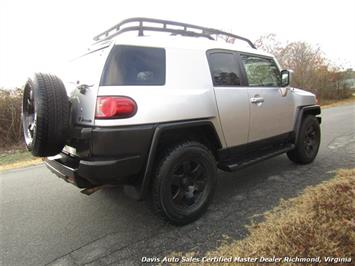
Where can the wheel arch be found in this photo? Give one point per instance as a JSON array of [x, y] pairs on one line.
[[201, 130], [302, 111]]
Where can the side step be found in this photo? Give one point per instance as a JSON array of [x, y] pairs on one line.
[[238, 165]]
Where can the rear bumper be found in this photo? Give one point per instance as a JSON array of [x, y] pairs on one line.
[[86, 174], [105, 156]]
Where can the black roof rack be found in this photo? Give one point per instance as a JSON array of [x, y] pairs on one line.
[[183, 29]]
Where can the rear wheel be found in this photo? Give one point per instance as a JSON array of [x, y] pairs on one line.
[[184, 183], [308, 141], [45, 115]]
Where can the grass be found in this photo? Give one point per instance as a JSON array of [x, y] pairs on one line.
[[318, 223], [334, 103], [17, 159]]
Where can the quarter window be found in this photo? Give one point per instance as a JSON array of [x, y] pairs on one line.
[[131, 65], [261, 71], [224, 69]]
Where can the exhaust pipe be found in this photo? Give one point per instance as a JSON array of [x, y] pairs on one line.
[[90, 190]]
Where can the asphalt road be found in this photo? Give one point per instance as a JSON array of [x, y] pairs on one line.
[[47, 221]]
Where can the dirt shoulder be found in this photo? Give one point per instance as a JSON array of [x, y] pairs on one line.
[[17, 159], [318, 223], [329, 104]]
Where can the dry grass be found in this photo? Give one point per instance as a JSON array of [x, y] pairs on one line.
[[20, 164], [320, 222], [334, 103], [17, 159]]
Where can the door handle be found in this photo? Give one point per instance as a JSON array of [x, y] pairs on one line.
[[257, 100]]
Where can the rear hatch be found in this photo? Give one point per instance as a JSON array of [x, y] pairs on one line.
[[82, 78]]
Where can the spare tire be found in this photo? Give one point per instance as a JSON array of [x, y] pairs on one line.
[[45, 115]]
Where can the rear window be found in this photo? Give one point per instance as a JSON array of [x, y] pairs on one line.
[[224, 69], [131, 65]]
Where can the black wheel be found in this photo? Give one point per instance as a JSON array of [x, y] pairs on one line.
[[45, 115], [308, 141], [184, 183]]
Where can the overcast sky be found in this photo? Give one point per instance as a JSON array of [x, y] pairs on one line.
[[41, 35]]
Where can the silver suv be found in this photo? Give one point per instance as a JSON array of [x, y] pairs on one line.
[[161, 113]]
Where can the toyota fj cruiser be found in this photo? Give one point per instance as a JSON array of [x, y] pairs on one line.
[[160, 114]]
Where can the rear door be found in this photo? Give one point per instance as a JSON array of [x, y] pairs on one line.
[[82, 78], [271, 113], [231, 96]]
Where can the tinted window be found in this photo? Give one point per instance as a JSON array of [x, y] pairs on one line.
[[130, 65], [261, 71], [224, 69]]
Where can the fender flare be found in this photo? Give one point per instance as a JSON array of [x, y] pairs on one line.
[[161, 128], [305, 110]]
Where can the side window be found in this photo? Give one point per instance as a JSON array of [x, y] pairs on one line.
[[131, 65], [261, 71], [224, 69]]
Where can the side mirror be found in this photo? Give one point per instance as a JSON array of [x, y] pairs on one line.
[[286, 77]]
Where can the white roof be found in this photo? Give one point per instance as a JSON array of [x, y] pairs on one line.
[[185, 42]]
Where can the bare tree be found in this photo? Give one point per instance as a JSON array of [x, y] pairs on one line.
[[306, 62], [311, 69], [269, 44]]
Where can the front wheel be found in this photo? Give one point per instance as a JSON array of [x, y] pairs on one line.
[[308, 141], [184, 183]]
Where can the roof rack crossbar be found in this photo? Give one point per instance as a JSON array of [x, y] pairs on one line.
[[186, 30]]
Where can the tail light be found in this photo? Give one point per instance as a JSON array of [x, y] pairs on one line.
[[115, 107]]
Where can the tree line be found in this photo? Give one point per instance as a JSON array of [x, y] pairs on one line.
[[312, 70]]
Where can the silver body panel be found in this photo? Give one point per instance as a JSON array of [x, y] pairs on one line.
[[85, 70], [234, 114], [189, 94], [271, 117]]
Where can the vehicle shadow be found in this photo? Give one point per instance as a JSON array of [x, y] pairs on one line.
[[241, 197]]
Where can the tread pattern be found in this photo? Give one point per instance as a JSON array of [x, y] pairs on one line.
[[167, 159], [52, 107], [298, 155]]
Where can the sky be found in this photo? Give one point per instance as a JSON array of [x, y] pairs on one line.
[[41, 35]]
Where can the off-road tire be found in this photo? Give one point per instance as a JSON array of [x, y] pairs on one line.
[[45, 95], [307, 146], [163, 204]]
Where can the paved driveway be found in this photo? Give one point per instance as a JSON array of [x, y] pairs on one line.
[[47, 221]]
